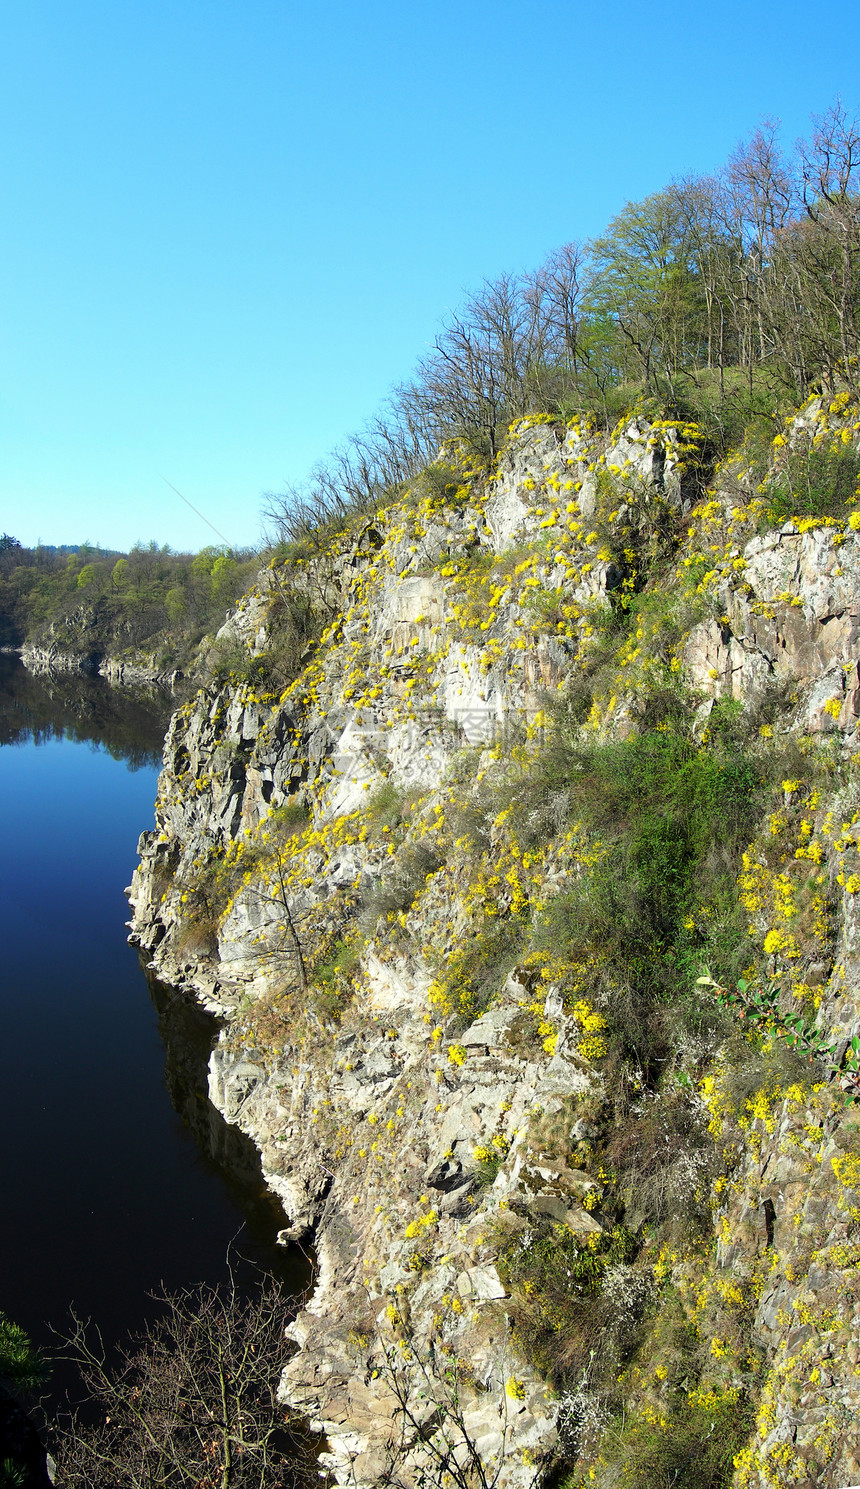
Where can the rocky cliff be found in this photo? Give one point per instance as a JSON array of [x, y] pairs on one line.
[[143, 671], [567, 733]]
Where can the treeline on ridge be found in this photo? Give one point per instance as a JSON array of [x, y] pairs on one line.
[[89, 600], [725, 298]]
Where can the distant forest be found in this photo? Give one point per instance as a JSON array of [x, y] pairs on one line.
[[87, 600]]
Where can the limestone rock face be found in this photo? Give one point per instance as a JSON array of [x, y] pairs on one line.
[[796, 623], [334, 873]]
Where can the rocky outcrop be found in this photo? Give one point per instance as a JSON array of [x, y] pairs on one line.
[[42, 659], [339, 872], [143, 672], [795, 622]]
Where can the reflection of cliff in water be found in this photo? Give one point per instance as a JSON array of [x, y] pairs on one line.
[[129, 723], [188, 1035]]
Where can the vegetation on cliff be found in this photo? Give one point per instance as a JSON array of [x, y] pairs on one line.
[[569, 732]]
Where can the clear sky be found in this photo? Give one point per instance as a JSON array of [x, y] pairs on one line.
[[228, 228]]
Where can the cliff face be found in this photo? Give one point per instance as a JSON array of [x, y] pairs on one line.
[[427, 873]]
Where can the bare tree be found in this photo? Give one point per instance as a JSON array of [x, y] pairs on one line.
[[554, 296], [275, 891], [830, 166], [757, 266], [478, 377], [433, 1442], [192, 1402], [761, 199], [354, 478]]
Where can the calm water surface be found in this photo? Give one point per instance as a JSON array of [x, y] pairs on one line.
[[115, 1171]]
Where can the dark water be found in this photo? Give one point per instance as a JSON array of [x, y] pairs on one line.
[[116, 1173]]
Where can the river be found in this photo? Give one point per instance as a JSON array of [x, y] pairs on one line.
[[116, 1173]]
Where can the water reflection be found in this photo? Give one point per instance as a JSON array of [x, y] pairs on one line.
[[189, 1034], [128, 723], [107, 1187]]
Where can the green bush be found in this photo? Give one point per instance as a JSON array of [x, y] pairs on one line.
[[294, 625], [555, 1280], [668, 820], [664, 1160], [756, 1063], [341, 959], [668, 811], [439, 479], [814, 482], [692, 1445], [487, 1169], [471, 817], [385, 808], [286, 821], [230, 661], [474, 971], [332, 979], [397, 889], [732, 408]]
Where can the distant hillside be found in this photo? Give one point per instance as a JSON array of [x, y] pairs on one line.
[[78, 606]]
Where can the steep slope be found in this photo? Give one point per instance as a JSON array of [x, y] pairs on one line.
[[448, 877]]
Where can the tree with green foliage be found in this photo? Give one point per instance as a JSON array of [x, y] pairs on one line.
[[21, 1369], [21, 1366], [646, 281]]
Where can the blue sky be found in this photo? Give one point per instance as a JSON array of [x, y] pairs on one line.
[[228, 228]]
